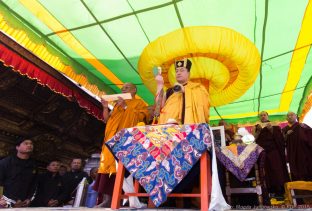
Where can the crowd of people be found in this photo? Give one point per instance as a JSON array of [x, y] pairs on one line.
[[185, 103], [23, 186]]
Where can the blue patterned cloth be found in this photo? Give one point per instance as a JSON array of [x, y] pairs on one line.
[[160, 156]]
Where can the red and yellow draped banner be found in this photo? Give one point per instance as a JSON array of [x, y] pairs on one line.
[[24, 67]]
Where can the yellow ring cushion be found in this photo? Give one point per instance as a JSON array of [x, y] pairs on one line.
[[223, 60]]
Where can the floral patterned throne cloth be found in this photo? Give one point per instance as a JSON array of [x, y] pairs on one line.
[[240, 161], [160, 156]]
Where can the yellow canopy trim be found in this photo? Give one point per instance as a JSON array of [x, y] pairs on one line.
[[43, 53]]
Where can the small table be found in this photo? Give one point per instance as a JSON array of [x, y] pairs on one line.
[[160, 156], [239, 160]]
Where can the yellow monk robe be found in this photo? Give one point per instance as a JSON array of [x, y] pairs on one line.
[[196, 105], [120, 118]]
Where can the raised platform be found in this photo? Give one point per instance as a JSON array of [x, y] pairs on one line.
[[238, 208]]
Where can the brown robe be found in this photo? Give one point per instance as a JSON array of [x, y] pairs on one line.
[[272, 142], [299, 151]]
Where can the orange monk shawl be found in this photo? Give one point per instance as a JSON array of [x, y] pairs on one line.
[[120, 118], [196, 105]]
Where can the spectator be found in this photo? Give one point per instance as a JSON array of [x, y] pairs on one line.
[[92, 194], [92, 175], [73, 178], [63, 170], [18, 175], [50, 191]]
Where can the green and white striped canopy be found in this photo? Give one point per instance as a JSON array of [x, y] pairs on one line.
[[98, 43]]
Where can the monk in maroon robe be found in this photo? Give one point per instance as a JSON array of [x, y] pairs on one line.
[[271, 139], [298, 138]]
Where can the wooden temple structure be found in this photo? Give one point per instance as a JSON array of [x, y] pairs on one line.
[[38, 102]]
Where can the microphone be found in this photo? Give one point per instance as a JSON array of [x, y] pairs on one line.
[[178, 88]]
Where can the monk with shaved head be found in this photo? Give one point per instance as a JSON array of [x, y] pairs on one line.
[[298, 138], [271, 139], [125, 114]]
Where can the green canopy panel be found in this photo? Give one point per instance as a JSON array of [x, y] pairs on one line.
[[103, 40]]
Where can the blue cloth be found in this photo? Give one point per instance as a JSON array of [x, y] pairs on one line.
[[91, 196], [160, 156]]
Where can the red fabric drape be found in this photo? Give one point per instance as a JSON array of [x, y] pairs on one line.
[[24, 67]]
